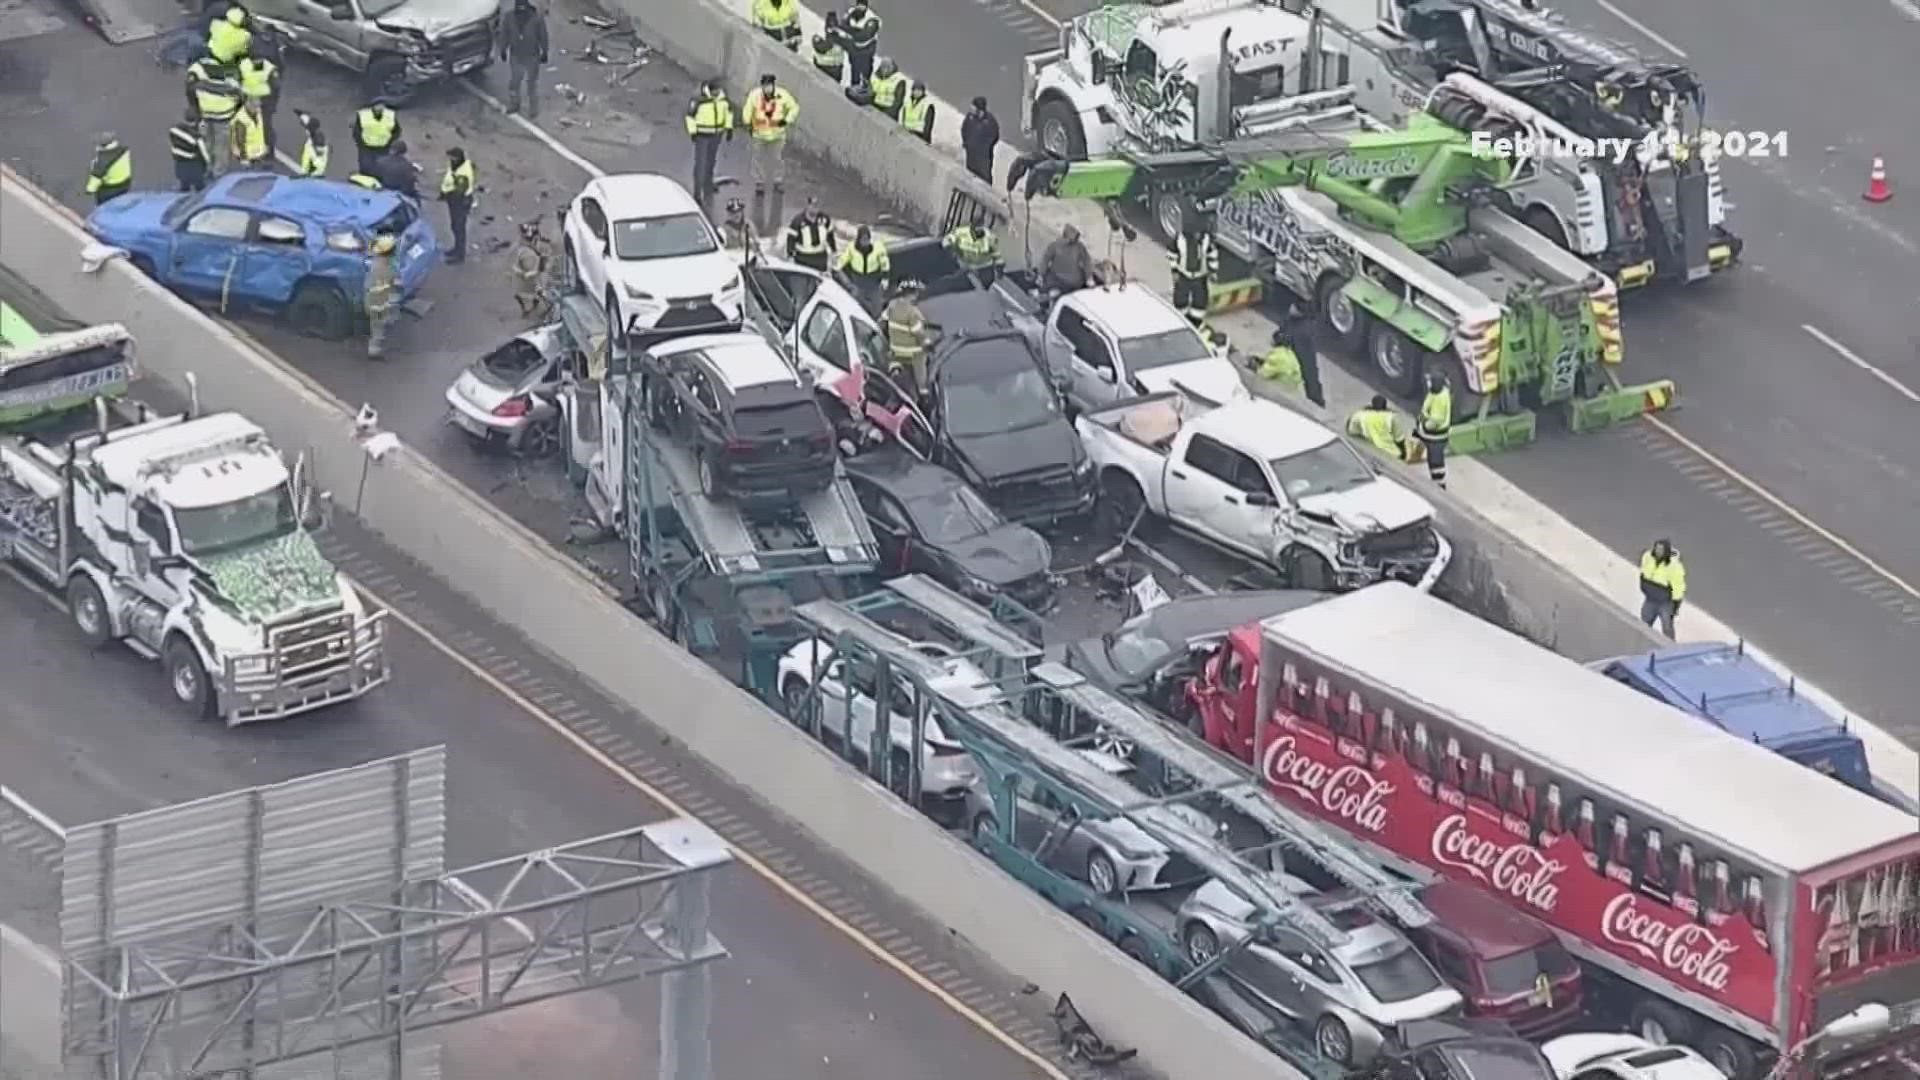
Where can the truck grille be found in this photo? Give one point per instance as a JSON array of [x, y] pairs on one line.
[[311, 647], [1042, 497], [462, 44]]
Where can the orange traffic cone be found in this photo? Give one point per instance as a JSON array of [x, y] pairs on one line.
[[1877, 189]]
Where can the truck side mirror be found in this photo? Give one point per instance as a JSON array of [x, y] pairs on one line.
[[1261, 498], [1099, 66]]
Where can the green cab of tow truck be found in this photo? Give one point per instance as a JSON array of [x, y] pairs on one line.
[[49, 375]]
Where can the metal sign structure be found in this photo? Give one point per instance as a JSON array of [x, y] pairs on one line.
[[258, 971]]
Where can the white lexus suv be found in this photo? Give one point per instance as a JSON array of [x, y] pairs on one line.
[[640, 241]]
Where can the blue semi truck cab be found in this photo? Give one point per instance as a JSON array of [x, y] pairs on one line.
[[1724, 685]]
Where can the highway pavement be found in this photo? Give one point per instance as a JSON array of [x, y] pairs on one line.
[[1787, 477]]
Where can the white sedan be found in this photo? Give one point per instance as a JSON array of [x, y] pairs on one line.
[[1618, 1056], [640, 242]]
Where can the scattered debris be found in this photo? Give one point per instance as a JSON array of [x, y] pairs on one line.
[[568, 91], [622, 49], [599, 22], [1081, 1041]]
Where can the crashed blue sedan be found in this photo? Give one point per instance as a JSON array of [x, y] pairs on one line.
[[293, 248]]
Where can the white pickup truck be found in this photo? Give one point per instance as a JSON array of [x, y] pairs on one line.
[[1262, 481], [1116, 342]]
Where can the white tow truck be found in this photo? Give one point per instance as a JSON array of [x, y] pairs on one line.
[[1266, 483], [186, 538]]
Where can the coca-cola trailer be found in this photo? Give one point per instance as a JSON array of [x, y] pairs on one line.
[[1738, 900]]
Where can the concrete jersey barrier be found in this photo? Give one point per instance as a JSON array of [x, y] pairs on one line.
[[30, 1004], [520, 580]]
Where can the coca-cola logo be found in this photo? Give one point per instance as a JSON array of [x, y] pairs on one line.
[[1348, 792], [1687, 949], [1520, 870]]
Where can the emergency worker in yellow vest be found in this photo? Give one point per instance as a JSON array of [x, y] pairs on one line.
[[111, 173], [214, 94], [1281, 364], [315, 153], [380, 296], [887, 89], [1663, 585], [907, 336], [916, 114], [1435, 426], [260, 82], [709, 121], [810, 238], [192, 158], [456, 190], [228, 38], [779, 20], [861, 28], [769, 112], [361, 179], [247, 138], [829, 53], [866, 266], [375, 127], [976, 249], [1195, 261], [1378, 425]]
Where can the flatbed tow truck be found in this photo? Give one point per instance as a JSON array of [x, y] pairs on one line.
[[1061, 758], [185, 537], [714, 575], [1400, 238]]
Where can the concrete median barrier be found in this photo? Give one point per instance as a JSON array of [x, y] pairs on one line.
[[519, 579], [30, 1004]]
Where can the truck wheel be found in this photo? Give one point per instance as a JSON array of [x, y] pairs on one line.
[[1449, 366], [1397, 358], [1541, 220], [1169, 214], [89, 610], [1731, 1054], [1343, 321], [1121, 501], [709, 486], [187, 677], [1305, 569], [1660, 1023], [387, 78], [320, 311], [1058, 127]]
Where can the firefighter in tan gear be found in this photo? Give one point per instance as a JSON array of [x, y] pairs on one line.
[[907, 336], [530, 272]]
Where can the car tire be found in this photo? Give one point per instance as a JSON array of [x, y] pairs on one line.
[[187, 677], [1120, 500], [542, 438], [1102, 876], [88, 608], [1342, 321], [1305, 569], [1332, 1039], [319, 310], [1199, 943], [1057, 129], [1660, 1023], [387, 79], [709, 484], [983, 828], [1732, 1054]]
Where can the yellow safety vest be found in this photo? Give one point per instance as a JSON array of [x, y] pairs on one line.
[[974, 253], [313, 159], [376, 131], [1191, 262], [1436, 412], [256, 77], [830, 59], [769, 117], [1282, 365], [249, 138], [886, 91], [906, 330], [216, 96], [228, 42], [118, 171], [913, 114], [450, 181], [1379, 427], [709, 116], [769, 15], [810, 238], [873, 263], [364, 181], [1670, 575]]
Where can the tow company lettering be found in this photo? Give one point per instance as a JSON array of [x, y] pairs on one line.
[[1348, 792]]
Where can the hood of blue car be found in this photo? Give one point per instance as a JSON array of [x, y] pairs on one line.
[[134, 210]]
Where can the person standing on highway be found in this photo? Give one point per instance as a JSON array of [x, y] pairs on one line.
[[907, 336], [192, 160], [1195, 261], [779, 20], [523, 45], [260, 86], [380, 295], [709, 122], [979, 134], [111, 173], [530, 271], [830, 49], [1296, 328], [810, 238], [247, 138], [228, 38], [916, 114], [1435, 426], [375, 127], [861, 29], [866, 266], [769, 111], [1380, 427], [315, 153], [214, 94], [457, 190], [1663, 586]]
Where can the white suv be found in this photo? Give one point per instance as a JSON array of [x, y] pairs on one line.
[[641, 242]]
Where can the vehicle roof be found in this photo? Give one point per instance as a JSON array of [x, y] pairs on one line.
[[743, 359], [1187, 36], [308, 199], [900, 473], [648, 195], [1206, 614], [978, 310], [202, 482], [1129, 310], [1266, 429], [1662, 763], [1571, 1053], [994, 353], [1722, 683], [1487, 927]]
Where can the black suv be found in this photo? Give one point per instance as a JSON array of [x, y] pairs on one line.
[[754, 428]]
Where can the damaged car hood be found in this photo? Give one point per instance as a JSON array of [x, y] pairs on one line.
[[1378, 506], [436, 17], [273, 579]]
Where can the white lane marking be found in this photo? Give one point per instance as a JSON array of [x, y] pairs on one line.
[[1643, 28], [1848, 355], [1166, 563], [1045, 16], [1908, 8], [40, 817], [535, 130]]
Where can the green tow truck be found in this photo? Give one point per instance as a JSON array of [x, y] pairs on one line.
[[1404, 240]]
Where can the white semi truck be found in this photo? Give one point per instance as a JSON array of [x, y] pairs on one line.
[[187, 539]]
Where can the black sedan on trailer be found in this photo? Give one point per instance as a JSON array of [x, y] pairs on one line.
[[928, 521]]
